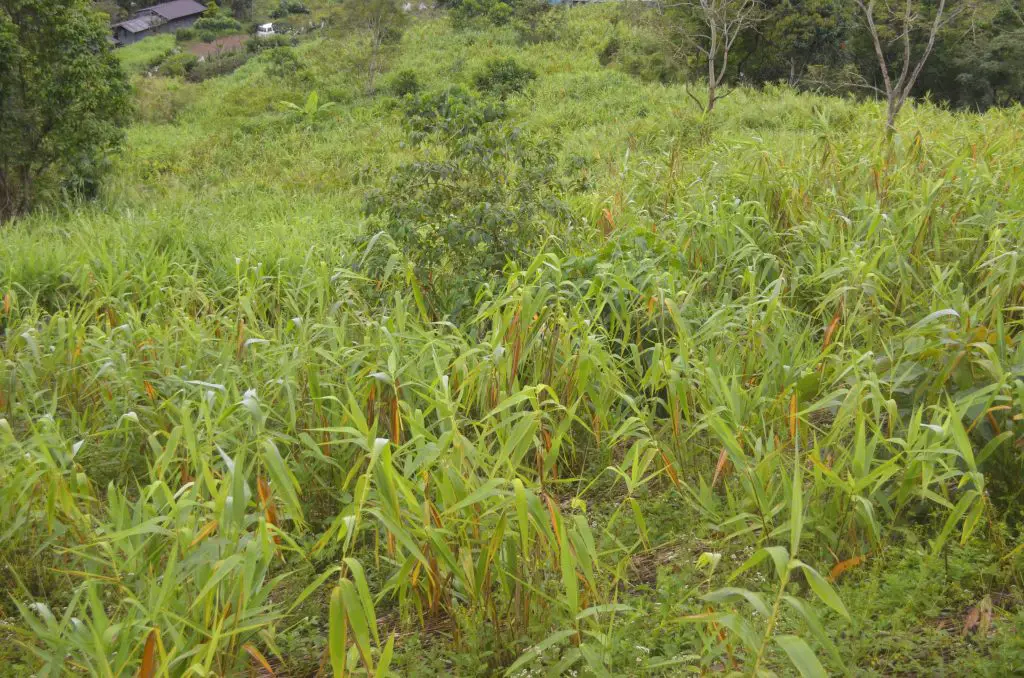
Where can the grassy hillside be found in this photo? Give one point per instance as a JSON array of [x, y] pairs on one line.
[[753, 400]]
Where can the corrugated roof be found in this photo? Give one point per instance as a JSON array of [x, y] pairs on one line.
[[177, 9], [141, 23]]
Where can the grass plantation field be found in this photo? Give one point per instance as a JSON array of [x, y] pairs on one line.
[[458, 379]]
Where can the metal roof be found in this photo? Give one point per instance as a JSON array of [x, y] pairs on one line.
[[177, 9], [141, 23]]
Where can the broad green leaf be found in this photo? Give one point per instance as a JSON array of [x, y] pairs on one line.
[[801, 656], [823, 589]]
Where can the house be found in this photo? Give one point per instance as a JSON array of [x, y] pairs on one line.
[[166, 17]]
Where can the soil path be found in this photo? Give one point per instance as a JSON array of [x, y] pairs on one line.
[[226, 44]]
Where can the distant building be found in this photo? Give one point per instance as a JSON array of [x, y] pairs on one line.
[[163, 18]]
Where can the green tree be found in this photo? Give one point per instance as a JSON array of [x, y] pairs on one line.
[[979, 64], [63, 100], [242, 9], [794, 36]]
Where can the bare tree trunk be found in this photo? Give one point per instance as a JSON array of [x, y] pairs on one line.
[[724, 21], [897, 93], [712, 82]]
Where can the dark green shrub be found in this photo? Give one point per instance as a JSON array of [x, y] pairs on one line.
[[186, 34], [404, 82], [449, 113], [178, 65], [651, 58], [218, 24], [155, 62], [217, 66], [283, 62], [288, 7], [475, 200], [499, 13], [533, 20], [537, 21], [270, 42], [502, 77], [610, 50]]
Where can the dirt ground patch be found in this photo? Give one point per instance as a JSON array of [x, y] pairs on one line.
[[228, 43]]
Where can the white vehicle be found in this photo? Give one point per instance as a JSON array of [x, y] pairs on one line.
[[265, 30]]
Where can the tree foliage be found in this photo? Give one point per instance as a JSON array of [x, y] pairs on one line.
[[473, 200], [826, 45], [63, 100]]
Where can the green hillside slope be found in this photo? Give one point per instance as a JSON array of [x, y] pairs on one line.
[[748, 394]]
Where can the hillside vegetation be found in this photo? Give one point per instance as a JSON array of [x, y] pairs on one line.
[[516, 367]]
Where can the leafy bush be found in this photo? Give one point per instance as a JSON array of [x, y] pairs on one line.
[[610, 50], [465, 13], [178, 65], [284, 62], [216, 66], [404, 82], [499, 13], [647, 57], [271, 42], [288, 7], [451, 112], [218, 25], [537, 21], [502, 77], [186, 34], [474, 201], [534, 21]]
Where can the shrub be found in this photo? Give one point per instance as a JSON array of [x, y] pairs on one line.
[[178, 65], [533, 20], [186, 34], [270, 42], [451, 112], [404, 82], [609, 51], [502, 77], [537, 21], [217, 66], [473, 202], [648, 57], [499, 14], [288, 7], [283, 62], [216, 26], [467, 12], [217, 23]]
